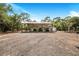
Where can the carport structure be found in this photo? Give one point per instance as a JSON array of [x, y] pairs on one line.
[[39, 26]]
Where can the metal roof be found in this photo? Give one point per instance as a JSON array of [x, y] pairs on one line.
[[36, 22]]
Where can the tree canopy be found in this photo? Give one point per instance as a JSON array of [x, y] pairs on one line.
[[11, 21]]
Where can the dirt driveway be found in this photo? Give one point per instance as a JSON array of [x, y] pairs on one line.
[[39, 44]]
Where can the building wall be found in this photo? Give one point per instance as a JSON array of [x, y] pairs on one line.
[[40, 27]]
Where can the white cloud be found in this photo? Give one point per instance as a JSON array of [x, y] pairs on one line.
[[73, 13]]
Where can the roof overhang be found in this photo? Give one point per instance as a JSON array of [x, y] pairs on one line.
[[36, 22]]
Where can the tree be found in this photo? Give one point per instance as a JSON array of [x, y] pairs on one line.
[[25, 16], [66, 24], [34, 21], [74, 21], [46, 19], [15, 22], [58, 23], [9, 20], [4, 18]]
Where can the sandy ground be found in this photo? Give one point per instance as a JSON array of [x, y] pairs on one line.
[[39, 44]]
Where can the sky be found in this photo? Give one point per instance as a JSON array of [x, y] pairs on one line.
[[39, 11]]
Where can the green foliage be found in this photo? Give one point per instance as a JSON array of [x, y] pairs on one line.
[[10, 22], [66, 24], [46, 19]]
